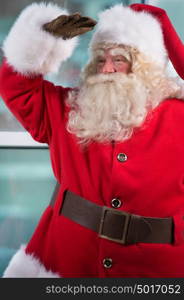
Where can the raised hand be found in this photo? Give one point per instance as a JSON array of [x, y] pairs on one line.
[[69, 26]]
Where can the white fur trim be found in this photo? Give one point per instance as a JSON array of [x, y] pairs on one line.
[[180, 93], [30, 49], [23, 265], [122, 25]]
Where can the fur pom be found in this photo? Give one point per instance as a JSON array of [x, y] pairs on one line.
[[29, 49], [24, 265], [122, 25]]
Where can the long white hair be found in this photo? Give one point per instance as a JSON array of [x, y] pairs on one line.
[[108, 107]]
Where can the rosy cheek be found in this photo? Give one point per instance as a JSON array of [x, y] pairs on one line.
[[123, 68]]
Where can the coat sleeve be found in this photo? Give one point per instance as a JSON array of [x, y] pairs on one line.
[[34, 101], [173, 43], [30, 53]]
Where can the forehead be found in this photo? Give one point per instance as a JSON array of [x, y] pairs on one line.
[[111, 51]]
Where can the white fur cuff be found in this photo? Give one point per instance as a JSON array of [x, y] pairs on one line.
[[23, 265], [30, 49]]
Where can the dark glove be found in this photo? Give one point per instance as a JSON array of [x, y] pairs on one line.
[[69, 26]]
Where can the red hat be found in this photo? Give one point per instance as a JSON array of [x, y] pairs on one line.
[[173, 43]]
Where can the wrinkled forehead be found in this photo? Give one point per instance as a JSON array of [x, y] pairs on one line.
[[102, 52]]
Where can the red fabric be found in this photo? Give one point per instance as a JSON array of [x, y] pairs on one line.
[[149, 183], [173, 43]]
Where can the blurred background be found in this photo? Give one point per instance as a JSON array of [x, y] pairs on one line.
[[26, 179]]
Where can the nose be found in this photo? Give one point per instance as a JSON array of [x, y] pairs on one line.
[[108, 67]]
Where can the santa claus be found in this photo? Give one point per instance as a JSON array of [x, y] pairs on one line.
[[115, 142]]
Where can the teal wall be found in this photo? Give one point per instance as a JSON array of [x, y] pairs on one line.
[[175, 10], [26, 187]]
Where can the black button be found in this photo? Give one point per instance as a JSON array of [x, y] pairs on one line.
[[122, 157], [116, 203], [107, 263]]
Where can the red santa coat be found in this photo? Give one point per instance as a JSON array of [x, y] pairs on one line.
[[149, 183]]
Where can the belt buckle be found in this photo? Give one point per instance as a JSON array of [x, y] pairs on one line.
[[124, 230]]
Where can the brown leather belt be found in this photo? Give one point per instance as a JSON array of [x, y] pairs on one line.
[[115, 225]]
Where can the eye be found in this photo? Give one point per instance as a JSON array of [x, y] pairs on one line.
[[100, 60], [120, 58]]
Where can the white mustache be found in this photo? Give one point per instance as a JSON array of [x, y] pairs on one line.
[[106, 78]]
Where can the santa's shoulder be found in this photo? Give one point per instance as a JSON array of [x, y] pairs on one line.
[[173, 108]]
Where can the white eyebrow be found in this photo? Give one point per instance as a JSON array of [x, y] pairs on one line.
[[120, 51], [99, 52]]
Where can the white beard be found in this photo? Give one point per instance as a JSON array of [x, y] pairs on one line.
[[107, 107]]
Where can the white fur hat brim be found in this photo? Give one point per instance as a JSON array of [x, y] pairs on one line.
[[123, 26]]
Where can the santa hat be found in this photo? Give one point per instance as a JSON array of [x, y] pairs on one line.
[[173, 43], [123, 26], [137, 26]]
